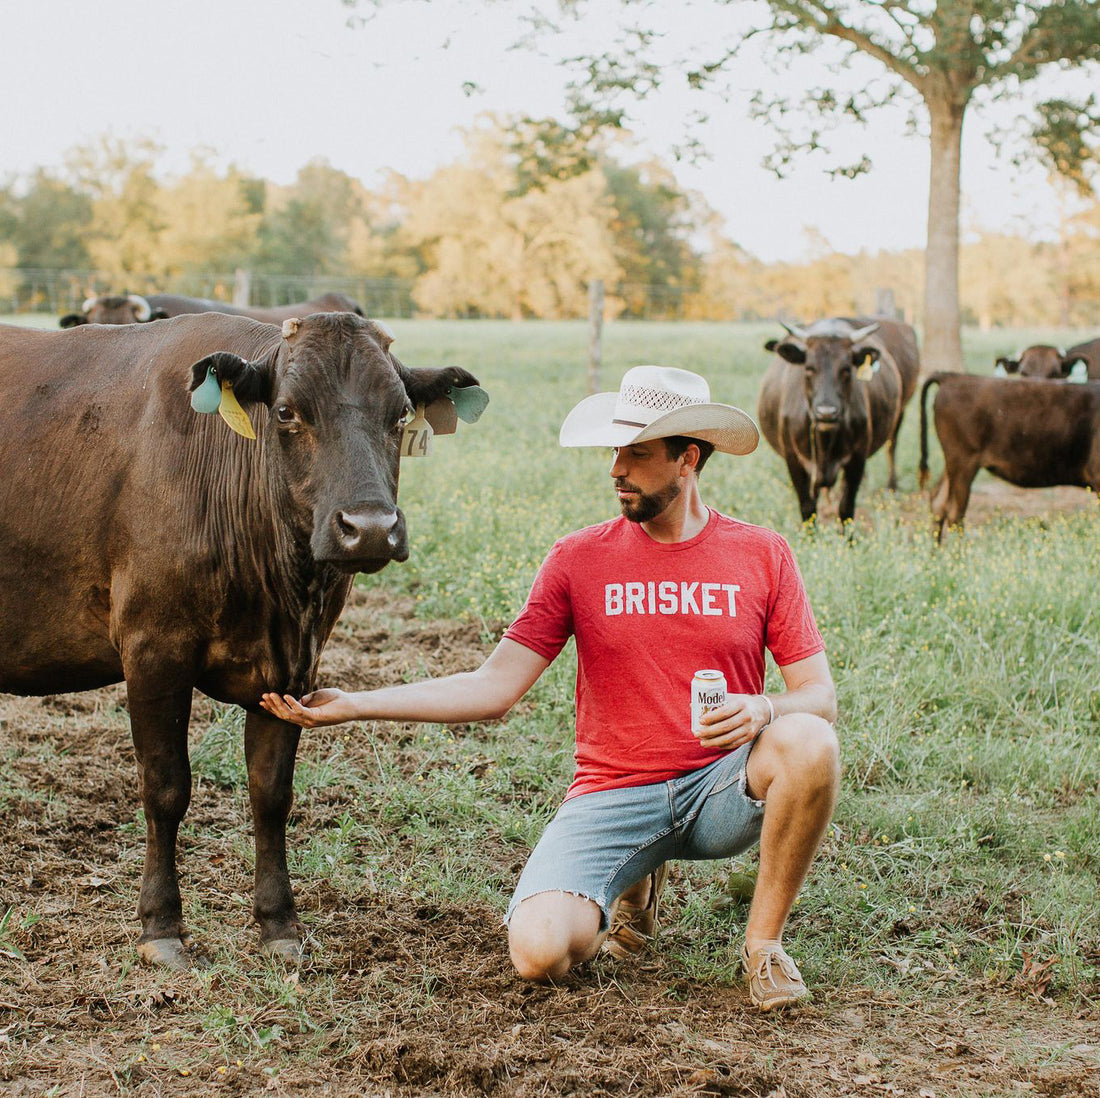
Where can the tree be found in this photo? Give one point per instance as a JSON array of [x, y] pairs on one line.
[[50, 223], [125, 219], [209, 222], [939, 52], [495, 249]]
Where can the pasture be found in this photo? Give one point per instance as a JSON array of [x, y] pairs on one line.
[[950, 930]]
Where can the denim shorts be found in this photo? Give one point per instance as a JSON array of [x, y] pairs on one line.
[[599, 844]]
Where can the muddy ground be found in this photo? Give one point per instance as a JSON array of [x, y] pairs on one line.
[[421, 999]]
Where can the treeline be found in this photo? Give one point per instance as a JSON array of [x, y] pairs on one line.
[[497, 233]]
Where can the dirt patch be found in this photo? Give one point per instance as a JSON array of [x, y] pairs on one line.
[[401, 996]]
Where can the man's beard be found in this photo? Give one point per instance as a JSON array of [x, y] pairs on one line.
[[648, 505]]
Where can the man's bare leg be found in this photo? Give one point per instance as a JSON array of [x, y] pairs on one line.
[[551, 932], [795, 768]]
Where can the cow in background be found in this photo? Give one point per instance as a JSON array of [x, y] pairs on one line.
[[1034, 434], [174, 305], [834, 394], [113, 309], [1041, 360], [142, 541]]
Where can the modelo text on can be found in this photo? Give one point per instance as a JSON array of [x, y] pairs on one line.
[[708, 692]]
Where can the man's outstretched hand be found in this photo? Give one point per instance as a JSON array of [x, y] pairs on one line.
[[319, 708]]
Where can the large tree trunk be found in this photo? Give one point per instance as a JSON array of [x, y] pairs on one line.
[[942, 347]]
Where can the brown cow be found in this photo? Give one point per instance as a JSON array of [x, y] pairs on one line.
[[113, 309], [1034, 434], [142, 541], [833, 395], [1041, 360], [174, 305]]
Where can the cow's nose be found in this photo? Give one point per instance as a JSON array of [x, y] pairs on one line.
[[370, 533], [827, 413]]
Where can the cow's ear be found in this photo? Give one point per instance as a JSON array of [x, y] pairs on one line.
[[794, 353], [771, 345], [1069, 363], [1009, 365], [427, 383], [71, 320], [864, 356], [251, 381]]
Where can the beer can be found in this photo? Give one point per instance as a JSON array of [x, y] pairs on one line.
[[708, 692]]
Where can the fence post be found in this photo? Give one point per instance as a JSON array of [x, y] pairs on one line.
[[595, 334], [242, 287]]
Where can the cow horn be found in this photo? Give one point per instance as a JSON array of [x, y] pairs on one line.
[[142, 309], [290, 327], [798, 333], [88, 303], [863, 333]]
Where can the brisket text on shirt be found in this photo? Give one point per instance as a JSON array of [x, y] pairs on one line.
[[671, 597]]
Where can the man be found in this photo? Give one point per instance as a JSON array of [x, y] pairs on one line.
[[670, 587]]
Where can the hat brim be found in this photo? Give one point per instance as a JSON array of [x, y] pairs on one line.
[[726, 428]]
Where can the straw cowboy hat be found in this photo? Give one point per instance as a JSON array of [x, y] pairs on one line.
[[658, 402]]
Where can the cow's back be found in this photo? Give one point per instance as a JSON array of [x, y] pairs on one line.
[[1034, 433], [107, 471]]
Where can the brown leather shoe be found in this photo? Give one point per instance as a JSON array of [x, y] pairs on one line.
[[633, 925], [774, 979]]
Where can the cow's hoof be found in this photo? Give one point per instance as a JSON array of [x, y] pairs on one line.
[[165, 953], [286, 949]]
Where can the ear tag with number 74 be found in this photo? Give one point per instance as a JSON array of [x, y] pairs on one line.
[[416, 441]]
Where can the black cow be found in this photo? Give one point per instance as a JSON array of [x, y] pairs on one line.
[[174, 305], [142, 541], [113, 309], [834, 394], [1041, 360], [1034, 434]]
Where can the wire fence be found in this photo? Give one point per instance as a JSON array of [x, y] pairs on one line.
[[41, 290], [33, 290]]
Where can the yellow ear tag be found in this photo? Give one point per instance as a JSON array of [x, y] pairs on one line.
[[233, 414], [866, 370], [417, 439]]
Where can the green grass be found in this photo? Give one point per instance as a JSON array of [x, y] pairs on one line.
[[967, 676], [967, 835]]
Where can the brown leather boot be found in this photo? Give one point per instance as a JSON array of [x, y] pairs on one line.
[[633, 925]]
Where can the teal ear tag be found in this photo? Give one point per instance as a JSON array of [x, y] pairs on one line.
[[469, 401], [208, 395]]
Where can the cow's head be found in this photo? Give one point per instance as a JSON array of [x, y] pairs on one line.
[[1041, 361], [830, 354], [113, 309], [336, 404]]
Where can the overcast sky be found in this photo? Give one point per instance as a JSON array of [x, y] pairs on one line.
[[270, 84]]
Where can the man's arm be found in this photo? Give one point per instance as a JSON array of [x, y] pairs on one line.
[[489, 692], [810, 689]]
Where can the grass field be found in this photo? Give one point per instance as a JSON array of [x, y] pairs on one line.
[[950, 930]]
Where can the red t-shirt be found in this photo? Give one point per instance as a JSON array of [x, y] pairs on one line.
[[646, 616]]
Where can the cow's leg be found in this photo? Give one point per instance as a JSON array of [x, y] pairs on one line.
[[269, 748], [939, 506], [807, 500], [159, 698], [959, 481], [853, 477], [891, 446]]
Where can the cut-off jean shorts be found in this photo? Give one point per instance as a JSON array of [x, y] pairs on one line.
[[599, 844]]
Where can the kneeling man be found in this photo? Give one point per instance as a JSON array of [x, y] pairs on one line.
[[668, 588]]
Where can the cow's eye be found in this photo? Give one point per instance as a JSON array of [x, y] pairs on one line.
[[285, 414], [402, 419]]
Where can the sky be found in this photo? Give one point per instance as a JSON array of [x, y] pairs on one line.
[[270, 84]]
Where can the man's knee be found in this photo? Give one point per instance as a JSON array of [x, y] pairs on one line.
[[536, 959], [802, 745], [550, 932]]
